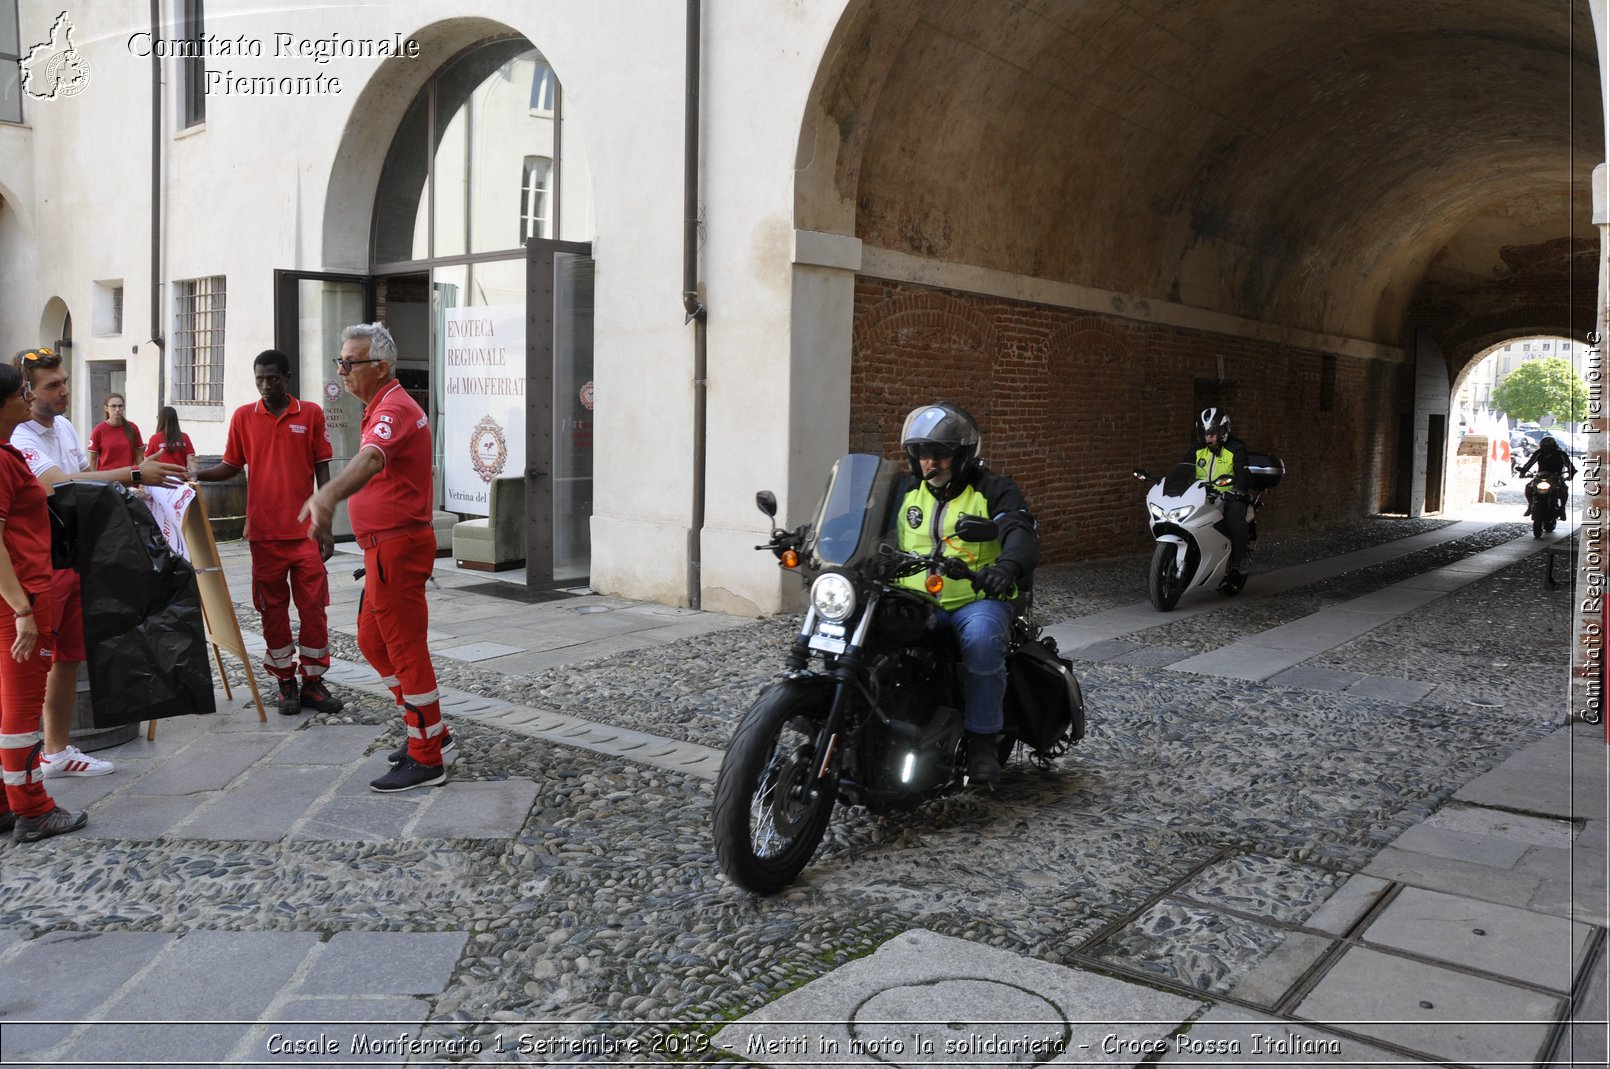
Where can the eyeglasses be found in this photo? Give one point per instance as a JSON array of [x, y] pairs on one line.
[[343, 365]]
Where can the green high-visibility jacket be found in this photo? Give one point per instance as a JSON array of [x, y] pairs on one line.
[[923, 520]]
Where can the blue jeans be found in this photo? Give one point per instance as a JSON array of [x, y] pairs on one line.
[[983, 628]]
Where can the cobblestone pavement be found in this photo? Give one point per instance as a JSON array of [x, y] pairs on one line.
[[1202, 842]]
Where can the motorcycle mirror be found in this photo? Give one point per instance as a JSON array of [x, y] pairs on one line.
[[977, 529], [766, 502], [1141, 474]]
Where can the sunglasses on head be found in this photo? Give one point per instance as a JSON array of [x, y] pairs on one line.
[[32, 356]]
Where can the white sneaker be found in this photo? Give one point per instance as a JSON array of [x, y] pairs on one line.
[[74, 762]]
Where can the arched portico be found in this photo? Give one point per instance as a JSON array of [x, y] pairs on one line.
[[1285, 208]]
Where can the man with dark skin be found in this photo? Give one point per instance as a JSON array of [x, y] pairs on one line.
[[284, 446]]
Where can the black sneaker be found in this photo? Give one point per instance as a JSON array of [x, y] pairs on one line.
[[290, 698], [983, 763], [408, 775], [400, 754], [315, 695], [58, 820]]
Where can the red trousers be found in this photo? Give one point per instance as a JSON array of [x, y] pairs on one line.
[[283, 571], [391, 634], [22, 705]]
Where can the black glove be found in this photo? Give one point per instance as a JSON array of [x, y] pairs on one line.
[[998, 579]]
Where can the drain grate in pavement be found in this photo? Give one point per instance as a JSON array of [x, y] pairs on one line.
[[513, 592]]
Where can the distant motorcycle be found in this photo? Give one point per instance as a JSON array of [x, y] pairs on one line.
[[1187, 515], [1546, 494]]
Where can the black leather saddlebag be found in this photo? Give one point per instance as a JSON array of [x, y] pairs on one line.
[[1044, 704]]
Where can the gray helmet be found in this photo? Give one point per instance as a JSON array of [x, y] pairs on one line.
[[942, 428]]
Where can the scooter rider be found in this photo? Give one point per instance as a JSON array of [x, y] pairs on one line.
[[1222, 453], [941, 442], [1553, 461]]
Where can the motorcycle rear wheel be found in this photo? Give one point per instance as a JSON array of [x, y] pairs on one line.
[[1163, 587], [768, 821]]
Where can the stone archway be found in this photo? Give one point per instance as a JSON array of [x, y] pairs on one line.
[[1284, 198]]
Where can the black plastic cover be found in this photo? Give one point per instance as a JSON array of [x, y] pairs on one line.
[[1043, 697], [143, 628]]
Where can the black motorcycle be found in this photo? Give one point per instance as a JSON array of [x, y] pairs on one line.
[[869, 711], [1546, 494]]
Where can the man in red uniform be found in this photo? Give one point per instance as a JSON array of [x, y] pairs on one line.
[[391, 490], [285, 448]]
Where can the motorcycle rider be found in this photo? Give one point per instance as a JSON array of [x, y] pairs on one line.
[[941, 443], [1222, 453], [1554, 462]]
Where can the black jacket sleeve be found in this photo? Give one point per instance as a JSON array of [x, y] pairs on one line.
[[1020, 539]]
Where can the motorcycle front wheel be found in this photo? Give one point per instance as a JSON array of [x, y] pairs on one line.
[[769, 812], [1163, 585], [1537, 521]]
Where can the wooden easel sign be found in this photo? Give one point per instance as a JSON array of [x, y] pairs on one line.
[[196, 544]]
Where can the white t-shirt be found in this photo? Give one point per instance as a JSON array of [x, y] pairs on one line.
[[57, 446]]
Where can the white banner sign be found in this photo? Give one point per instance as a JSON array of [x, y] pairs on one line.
[[168, 506], [484, 411]]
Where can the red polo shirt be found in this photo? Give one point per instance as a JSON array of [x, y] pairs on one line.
[[403, 494], [113, 447], [22, 508], [278, 453]]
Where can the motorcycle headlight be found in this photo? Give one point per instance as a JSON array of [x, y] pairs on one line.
[[1180, 513], [1544, 485], [833, 597], [1156, 511]]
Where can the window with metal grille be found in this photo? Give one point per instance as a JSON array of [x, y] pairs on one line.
[[10, 64], [198, 341]]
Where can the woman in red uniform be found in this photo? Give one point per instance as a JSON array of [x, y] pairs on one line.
[[170, 443], [26, 634], [117, 442]]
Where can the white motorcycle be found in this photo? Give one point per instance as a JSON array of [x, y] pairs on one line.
[[1187, 517]]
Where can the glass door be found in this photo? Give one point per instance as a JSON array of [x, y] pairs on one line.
[[310, 312], [559, 423]]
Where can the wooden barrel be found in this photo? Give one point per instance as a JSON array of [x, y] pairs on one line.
[[225, 501], [82, 731]]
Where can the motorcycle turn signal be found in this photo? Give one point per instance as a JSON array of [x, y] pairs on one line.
[[934, 584], [789, 558]]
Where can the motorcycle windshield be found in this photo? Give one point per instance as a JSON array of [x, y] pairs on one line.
[[855, 514]]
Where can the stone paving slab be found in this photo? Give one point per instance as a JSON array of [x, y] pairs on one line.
[[1267, 982], [478, 651], [208, 763], [1397, 691], [486, 809], [261, 806], [327, 744], [1106, 649], [65, 977], [334, 1031], [1462, 846], [1151, 657], [1236, 661], [1515, 827], [1449, 874], [1499, 939], [384, 963], [1225, 1036], [1343, 909], [139, 819], [370, 818], [1305, 678], [1445, 1014], [923, 987]]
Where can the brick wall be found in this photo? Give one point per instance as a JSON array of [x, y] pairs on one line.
[[1070, 402]]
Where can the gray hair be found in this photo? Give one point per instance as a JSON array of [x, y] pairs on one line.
[[381, 345]]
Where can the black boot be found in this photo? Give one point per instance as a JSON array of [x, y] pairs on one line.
[[983, 763]]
